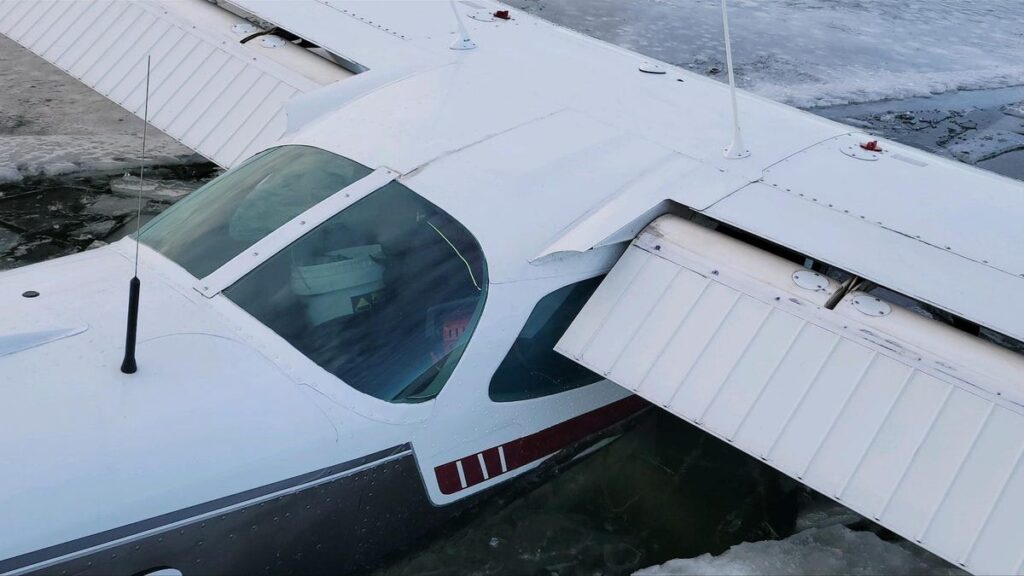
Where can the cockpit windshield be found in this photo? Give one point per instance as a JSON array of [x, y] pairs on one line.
[[385, 295], [231, 213]]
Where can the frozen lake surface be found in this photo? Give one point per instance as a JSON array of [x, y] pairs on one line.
[[944, 76], [818, 52]]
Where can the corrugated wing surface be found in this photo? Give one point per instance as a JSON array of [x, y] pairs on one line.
[[922, 453], [206, 91]]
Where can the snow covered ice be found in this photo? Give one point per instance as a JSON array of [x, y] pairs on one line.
[[823, 544], [818, 52], [833, 549]]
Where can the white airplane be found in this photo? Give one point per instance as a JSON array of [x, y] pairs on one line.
[[349, 337]]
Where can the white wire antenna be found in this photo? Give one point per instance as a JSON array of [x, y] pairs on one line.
[[463, 42], [142, 168], [128, 365], [736, 148]]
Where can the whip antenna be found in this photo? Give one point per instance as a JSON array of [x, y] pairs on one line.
[[128, 365], [463, 42], [736, 149]]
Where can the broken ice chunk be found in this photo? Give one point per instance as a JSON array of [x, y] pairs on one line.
[[1015, 109], [978, 146]]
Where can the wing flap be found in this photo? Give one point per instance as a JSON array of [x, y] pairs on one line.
[[891, 413]]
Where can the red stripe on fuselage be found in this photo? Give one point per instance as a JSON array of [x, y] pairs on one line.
[[493, 462], [471, 468], [527, 449]]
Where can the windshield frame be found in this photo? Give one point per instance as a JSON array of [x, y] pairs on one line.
[[237, 267]]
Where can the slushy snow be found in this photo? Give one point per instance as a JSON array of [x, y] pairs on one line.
[[832, 550], [823, 544]]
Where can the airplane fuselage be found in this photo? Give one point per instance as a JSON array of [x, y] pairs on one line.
[[323, 407]]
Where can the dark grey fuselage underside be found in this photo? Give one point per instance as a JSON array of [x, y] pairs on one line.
[[337, 520]]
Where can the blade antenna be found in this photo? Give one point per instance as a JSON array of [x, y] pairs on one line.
[[736, 149], [463, 42], [128, 365]]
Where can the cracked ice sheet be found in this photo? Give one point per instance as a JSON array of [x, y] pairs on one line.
[[1016, 109], [985, 145], [818, 52], [54, 155]]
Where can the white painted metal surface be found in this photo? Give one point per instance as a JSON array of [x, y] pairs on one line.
[[85, 438], [11, 343], [906, 420], [221, 98]]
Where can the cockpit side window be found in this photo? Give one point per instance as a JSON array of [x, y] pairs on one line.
[[385, 295], [532, 368], [234, 211]]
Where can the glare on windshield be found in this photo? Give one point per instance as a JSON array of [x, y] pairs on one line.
[[234, 211]]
